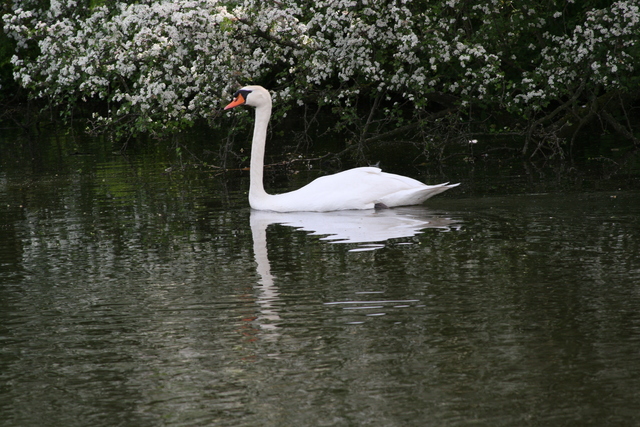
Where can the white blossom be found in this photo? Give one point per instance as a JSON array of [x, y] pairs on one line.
[[169, 61]]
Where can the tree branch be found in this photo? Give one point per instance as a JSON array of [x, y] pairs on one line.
[[552, 114], [406, 128], [620, 129]]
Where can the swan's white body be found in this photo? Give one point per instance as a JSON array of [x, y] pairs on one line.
[[359, 188]]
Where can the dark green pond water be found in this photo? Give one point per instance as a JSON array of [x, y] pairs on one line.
[[135, 295]]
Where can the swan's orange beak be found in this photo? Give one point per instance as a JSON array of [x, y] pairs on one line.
[[238, 100]]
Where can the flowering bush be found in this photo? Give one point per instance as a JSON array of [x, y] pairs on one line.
[[397, 66]]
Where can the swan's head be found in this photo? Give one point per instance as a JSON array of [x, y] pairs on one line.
[[255, 96]]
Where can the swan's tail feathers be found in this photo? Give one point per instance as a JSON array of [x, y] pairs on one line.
[[415, 196], [445, 184], [436, 189]]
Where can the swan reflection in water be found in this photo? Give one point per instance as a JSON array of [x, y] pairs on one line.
[[369, 229]]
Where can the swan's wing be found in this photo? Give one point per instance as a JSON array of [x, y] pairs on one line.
[[359, 188], [370, 179]]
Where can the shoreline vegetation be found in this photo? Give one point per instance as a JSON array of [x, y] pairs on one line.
[[433, 74]]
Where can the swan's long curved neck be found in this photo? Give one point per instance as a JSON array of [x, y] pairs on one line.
[[256, 186]]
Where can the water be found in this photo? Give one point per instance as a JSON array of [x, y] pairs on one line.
[[131, 295]]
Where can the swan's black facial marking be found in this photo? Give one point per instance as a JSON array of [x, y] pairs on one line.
[[243, 92], [239, 98]]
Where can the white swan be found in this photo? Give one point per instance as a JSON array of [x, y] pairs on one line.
[[359, 188]]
